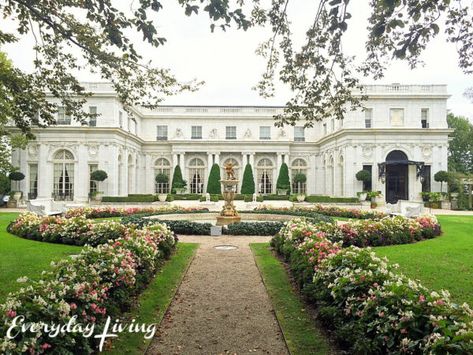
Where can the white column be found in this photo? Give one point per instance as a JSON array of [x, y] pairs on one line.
[[209, 161], [149, 172], [217, 158], [278, 162], [252, 161], [45, 173], [81, 175]]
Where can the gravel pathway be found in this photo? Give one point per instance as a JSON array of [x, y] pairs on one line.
[[221, 306]]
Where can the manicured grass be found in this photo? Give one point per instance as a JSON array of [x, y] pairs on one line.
[[22, 257], [155, 300], [445, 262], [302, 337]]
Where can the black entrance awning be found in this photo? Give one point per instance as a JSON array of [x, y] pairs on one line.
[[419, 167]]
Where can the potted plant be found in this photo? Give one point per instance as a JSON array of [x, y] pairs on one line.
[[283, 186], [180, 187], [300, 179], [364, 176], [162, 180], [99, 176], [372, 195], [16, 176]]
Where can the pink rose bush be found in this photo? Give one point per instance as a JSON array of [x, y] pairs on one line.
[[108, 211], [363, 300], [100, 281]]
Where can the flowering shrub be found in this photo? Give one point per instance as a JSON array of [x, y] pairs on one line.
[[329, 211], [99, 282], [107, 212], [369, 306]]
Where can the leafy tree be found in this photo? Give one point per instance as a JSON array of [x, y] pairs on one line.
[[16, 176], [161, 178], [177, 181], [282, 182], [441, 176], [323, 77], [248, 184], [363, 175], [460, 147], [5, 184], [98, 175], [213, 185]]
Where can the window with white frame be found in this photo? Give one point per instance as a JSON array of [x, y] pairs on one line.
[[230, 132], [196, 175], [161, 132], [196, 132], [120, 119], [63, 117], [92, 183], [162, 166], [368, 118], [424, 118], [265, 132], [264, 170], [299, 174], [299, 134], [63, 176], [33, 193], [93, 119], [396, 116]]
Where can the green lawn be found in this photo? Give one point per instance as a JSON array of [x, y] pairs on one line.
[[302, 337], [22, 257], [445, 262]]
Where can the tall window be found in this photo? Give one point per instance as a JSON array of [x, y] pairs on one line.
[[63, 183], [63, 117], [367, 185], [396, 116], [299, 166], [162, 166], [424, 118], [196, 132], [196, 176], [33, 182], [265, 132], [92, 183], [120, 119], [426, 179], [265, 176], [230, 132], [368, 118], [162, 133], [299, 134], [93, 119]]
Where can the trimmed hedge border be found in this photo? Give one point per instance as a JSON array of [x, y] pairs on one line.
[[99, 282], [368, 306]]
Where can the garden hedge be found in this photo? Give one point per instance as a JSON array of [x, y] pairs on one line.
[[367, 305], [248, 183], [213, 185], [99, 282]]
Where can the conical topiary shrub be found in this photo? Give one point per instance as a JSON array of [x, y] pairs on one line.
[[177, 180], [213, 186], [248, 184], [283, 179]]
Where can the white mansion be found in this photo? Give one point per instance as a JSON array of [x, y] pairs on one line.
[[402, 138]]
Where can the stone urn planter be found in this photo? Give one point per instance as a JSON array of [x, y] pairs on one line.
[[282, 192], [180, 190], [162, 197], [97, 196], [362, 196], [300, 198]]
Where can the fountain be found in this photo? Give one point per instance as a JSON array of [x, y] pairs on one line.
[[228, 215]]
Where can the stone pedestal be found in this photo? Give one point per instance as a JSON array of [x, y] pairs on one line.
[[226, 220], [228, 215]]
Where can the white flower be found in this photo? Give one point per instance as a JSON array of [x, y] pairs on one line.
[[22, 279]]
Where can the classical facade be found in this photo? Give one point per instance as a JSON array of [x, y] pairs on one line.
[[402, 138]]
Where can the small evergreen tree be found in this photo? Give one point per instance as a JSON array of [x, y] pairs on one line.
[[177, 180], [441, 176], [283, 179], [213, 186], [248, 184]]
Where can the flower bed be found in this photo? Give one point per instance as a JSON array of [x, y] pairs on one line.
[[99, 282], [370, 308], [107, 212], [332, 211]]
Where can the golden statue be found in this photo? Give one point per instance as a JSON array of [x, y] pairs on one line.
[[229, 170]]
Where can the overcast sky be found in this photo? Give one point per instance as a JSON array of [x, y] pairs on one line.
[[228, 64]]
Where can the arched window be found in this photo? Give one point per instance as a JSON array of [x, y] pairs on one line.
[[298, 166], [162, 166], [196, 175], [63, 176], [396, 155], [265, 176]]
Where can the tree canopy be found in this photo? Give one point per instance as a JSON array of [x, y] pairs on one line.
[[96, 35], [460, 147]]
